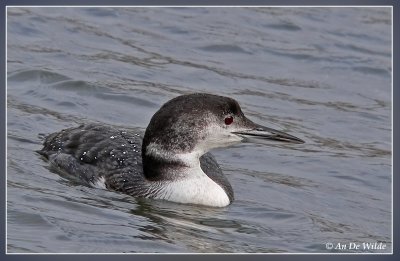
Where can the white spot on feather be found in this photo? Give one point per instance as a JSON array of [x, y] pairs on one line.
[[99, 183]]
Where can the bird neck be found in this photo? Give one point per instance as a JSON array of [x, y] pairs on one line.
[[159, 164]]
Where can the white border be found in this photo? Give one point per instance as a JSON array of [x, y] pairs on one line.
[[194, 6]]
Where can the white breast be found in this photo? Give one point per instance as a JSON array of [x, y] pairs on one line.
[[196, 188], [193, 185]]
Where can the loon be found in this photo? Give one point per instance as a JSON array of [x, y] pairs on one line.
[[171, 161]]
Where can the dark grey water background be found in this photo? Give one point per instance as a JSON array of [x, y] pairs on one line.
[[323, 74]]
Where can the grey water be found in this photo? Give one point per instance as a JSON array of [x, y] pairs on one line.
[[322, 74]]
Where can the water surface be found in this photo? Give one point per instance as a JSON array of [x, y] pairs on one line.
[[322, 74]]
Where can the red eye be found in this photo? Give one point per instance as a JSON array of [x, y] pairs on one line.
[[228, 120]]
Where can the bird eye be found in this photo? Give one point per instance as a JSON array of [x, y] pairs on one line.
[[228, 120]]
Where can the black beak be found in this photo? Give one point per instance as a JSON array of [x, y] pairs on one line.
[[255, 130]]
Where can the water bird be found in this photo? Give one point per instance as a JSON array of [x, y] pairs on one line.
[[171, 161]]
